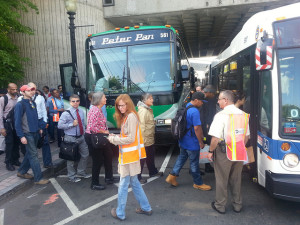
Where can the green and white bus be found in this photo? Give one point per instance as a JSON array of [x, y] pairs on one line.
[[136, 60]]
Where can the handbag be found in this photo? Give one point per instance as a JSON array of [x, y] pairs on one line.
[[99, 140], [69, 151], [41, 141]]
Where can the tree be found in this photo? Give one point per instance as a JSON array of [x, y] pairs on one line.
[[11, 68]]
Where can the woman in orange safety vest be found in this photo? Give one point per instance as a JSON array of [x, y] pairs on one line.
[[131, 150]]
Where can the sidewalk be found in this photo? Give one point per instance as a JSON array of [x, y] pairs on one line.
[[10, 183]]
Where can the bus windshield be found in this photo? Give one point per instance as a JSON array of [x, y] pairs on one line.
[[290, 91], [132, 69]]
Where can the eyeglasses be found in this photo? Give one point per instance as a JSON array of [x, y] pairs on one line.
[[121, 106], [75, 101]]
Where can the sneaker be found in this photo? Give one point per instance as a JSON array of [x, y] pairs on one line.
[[84, 175], [143, 181], [74, 180], [43, 181], [202, 187], [158, 174], [140, 211], [25, 175]]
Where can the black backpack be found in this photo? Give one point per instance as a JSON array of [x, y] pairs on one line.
[[178, 125]]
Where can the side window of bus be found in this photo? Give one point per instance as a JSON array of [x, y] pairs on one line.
[[246, 88], [265, 103]]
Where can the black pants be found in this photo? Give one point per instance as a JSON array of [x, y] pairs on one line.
[[12, 143], [100, 156], [150, 153]]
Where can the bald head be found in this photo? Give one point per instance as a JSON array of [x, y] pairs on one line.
[[12, 89], [31, 84]]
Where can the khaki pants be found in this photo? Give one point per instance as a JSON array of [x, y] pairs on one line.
[[227, 173]]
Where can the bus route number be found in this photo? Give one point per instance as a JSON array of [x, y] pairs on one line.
[[164, 35]]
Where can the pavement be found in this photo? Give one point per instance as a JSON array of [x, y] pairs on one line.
[[10, 184]]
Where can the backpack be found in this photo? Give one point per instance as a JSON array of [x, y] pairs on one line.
[[10, 118], [178, 125]]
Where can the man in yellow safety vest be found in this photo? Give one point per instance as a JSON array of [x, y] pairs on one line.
[[231, 125]]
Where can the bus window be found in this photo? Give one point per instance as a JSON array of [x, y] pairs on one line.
[[290, 92], [265, 103], [246, 88]]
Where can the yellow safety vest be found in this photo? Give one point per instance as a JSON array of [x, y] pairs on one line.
[[235, 140], [55, 116], [132, 152]]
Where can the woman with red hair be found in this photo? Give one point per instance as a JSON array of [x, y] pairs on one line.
[[131, 150]]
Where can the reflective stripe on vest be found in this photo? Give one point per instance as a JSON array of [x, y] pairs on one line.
[[132, 152], [235, 140], [55, 116]]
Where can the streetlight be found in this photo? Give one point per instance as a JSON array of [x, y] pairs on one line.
[[71, 7]]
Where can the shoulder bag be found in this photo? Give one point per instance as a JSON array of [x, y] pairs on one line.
[[69, 150]]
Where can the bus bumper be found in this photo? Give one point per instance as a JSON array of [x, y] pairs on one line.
[[163, 136], [283, 186]]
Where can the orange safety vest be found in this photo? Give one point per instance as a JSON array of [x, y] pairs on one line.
[[235, 140], [134, 151], [55, 116]]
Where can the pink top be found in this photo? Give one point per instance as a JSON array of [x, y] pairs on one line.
[[96, 121]]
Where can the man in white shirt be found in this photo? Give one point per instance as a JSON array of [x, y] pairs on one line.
[[227, 172]]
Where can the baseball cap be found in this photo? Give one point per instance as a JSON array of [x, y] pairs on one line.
[[209, 88], [26, 88], [199, 96]]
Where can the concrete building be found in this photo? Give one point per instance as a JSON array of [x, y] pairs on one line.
[[205, 26]]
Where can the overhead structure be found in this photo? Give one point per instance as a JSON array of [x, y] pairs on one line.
[[206, 27]]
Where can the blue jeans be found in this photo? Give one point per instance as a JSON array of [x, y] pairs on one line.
[[194, 164], [47, 157], [31, 157], [138, 192]]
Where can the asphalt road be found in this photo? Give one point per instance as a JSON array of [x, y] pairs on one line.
[[62, 202]]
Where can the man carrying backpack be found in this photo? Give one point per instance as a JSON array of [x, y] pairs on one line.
[[7, 103], [190, 144], [28, 128]]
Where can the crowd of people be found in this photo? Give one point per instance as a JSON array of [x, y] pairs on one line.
[[29, 114]]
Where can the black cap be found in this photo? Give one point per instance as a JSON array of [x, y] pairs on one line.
[[199, 96]]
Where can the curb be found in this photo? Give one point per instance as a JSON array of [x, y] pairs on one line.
[[25, 184]]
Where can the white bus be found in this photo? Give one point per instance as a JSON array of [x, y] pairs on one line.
[[263, 61]]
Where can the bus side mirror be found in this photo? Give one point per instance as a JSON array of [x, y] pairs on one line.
[[264, 53], [185, 73], [75, 82]]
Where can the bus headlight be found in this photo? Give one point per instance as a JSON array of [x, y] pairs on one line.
[[291, 160], [168, 122]]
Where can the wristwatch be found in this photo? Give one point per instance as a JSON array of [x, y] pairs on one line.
[[210, 151]]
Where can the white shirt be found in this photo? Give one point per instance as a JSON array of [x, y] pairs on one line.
[[40, 107], [219, 125]]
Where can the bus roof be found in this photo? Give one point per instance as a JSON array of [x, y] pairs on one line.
[[254, 27], [135, 29]]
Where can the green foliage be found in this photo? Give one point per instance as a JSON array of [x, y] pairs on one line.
[[11, 69]]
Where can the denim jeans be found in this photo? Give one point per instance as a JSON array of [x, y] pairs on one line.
[[138, 192], [194, 164], [47, 157], [31, 157]]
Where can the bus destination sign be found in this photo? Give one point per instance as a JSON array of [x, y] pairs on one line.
[[131, 38]]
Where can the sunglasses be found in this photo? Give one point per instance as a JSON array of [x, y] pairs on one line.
[[75, 101]]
